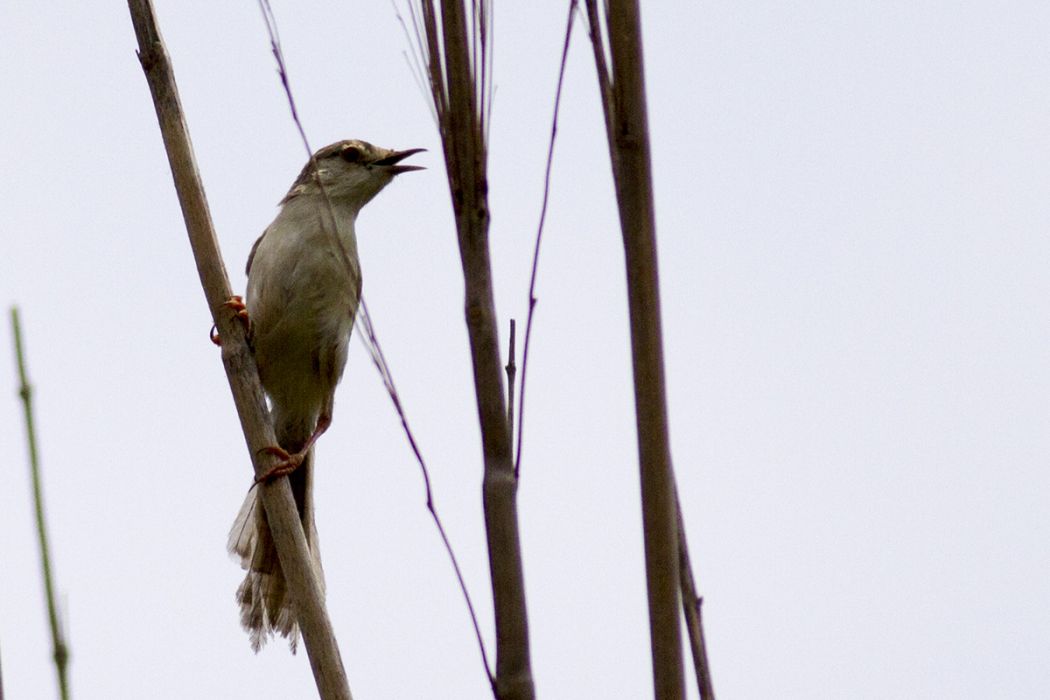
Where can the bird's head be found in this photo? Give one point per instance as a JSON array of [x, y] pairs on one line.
[[350, 172]]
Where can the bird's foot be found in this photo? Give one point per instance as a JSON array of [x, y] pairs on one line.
[[236, 304], [288, 463]]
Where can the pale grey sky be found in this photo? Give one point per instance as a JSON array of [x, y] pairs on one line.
[[853, 215]]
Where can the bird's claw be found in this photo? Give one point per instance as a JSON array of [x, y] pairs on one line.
[[240, 311], [236, 302], [288, 463]]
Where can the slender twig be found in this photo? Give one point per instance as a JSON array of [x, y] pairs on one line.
[[432, 54], [414, 58], [371, 341], [624, 106], [601, 66], [690, 601], [329, 226], [482, 31], [282, 514], [60, 651], [375, 351], [539, 233], [512, 370], [691, 604], [461, 90]]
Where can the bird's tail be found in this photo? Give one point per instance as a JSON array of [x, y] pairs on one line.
[[266, 605]]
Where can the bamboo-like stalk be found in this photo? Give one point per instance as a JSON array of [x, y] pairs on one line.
[[512, 371], [60, 651], [460, 106], [623, 97], [691, 604], [243, 376], [573, 6], [371, 342]]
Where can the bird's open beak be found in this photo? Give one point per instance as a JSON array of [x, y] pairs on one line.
[[390, 163]]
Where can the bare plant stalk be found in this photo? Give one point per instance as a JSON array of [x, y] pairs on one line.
[[691, 604], [458, 81], [282, 71], [58, 643], [623, 97], [690, 601], [375, 351], [369, 337], [512, 371], [292, 550], [539, 234]]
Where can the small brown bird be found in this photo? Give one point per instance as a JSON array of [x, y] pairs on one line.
[[302, 297]]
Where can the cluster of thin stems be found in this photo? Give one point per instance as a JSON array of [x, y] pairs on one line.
[[453, 50]]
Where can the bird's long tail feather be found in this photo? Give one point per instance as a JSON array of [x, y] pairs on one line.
[[266, 605]]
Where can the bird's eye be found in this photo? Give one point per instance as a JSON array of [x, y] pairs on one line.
[[351, 154]]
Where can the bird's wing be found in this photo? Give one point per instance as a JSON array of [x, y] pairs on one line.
[[251, 255]]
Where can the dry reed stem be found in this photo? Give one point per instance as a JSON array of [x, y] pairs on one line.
[[375, 351], [623, 100], [539, 233], [371, 340], [243, 376], [460, 102], [690, 601], [691, 606]]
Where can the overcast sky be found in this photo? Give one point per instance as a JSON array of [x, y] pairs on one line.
[[852, 209]]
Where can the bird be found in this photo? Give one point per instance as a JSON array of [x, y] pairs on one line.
[[304, 287]]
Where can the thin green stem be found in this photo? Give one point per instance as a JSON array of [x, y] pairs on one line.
[[25, 391]]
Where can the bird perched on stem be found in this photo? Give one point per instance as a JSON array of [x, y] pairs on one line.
[[304, 285]]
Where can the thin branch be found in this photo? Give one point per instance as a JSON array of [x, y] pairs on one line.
[[461, 93], [477, 67], [539, 232], [690, 600], [512, 370], [601, 66], [282, 71], [371, 342], [438, 90], [60, 651], [483, 63], [691, 604], [238, 362], [414, 58], [369, 338], [627, 130]]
